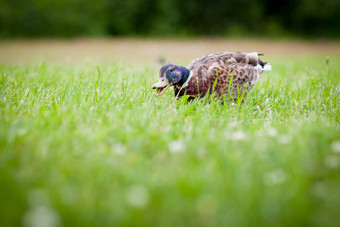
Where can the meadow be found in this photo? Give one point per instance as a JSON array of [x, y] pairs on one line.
[[90, 145]]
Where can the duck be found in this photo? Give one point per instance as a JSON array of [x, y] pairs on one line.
[[219, 74]]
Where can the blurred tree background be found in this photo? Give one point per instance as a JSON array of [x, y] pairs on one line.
[[72, 18]]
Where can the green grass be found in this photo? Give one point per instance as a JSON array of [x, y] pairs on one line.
[[79, 147]]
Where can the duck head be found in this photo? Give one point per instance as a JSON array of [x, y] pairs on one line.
[[170, 75]]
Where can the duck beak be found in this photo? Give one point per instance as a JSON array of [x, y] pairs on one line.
[[161, 86]]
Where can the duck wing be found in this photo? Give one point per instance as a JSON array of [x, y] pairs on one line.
[[245, 68]]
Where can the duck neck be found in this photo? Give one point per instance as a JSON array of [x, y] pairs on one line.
[[186, 77]]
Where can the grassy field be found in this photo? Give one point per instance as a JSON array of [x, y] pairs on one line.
[[85, 146]]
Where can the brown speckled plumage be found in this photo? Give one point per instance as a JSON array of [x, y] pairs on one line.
[[224, 65], [245, 68]]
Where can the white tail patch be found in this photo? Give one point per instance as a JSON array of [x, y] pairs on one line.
[[258, 67], [267, 67]]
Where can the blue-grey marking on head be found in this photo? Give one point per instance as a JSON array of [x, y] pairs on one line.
[[171, 75], [176, 75], [163, 69]]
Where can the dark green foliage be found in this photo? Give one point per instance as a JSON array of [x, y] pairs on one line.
[[69, 18]]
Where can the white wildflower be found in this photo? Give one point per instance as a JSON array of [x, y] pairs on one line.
[[277, 176], [331, 162], [233, 124], [285, 139], [320, 189], [41, 216], [272, 132], [335, 146], [176, 146], [137, 196], [201, 153], [238, 135], [119, 149], [258, 108], [40, 213]]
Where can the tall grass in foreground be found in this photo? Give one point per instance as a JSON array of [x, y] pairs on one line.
[[85, 146]]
